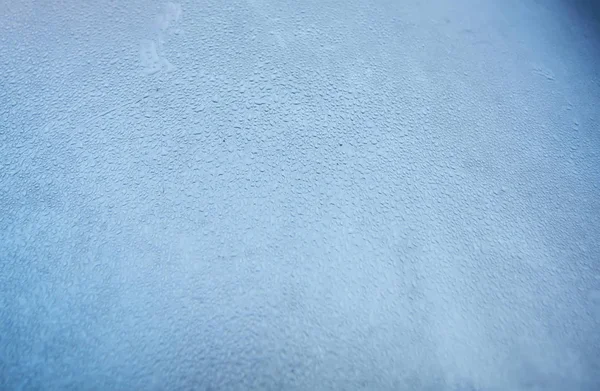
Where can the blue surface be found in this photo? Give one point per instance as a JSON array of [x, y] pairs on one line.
[[299, 195]]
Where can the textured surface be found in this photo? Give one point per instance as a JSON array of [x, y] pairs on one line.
[[302, 195]]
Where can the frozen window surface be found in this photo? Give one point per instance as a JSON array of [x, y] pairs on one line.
[[299, 195]]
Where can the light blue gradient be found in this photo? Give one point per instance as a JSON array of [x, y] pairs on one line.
[[299, 195]]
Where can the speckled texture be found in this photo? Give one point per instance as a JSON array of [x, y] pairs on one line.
[[299, 195]]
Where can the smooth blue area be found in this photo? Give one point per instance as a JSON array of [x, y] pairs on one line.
[[299, 195]]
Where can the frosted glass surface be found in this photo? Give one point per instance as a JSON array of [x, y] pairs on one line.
[[299, 195]]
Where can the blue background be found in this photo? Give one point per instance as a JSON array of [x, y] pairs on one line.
[[299, 195]]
